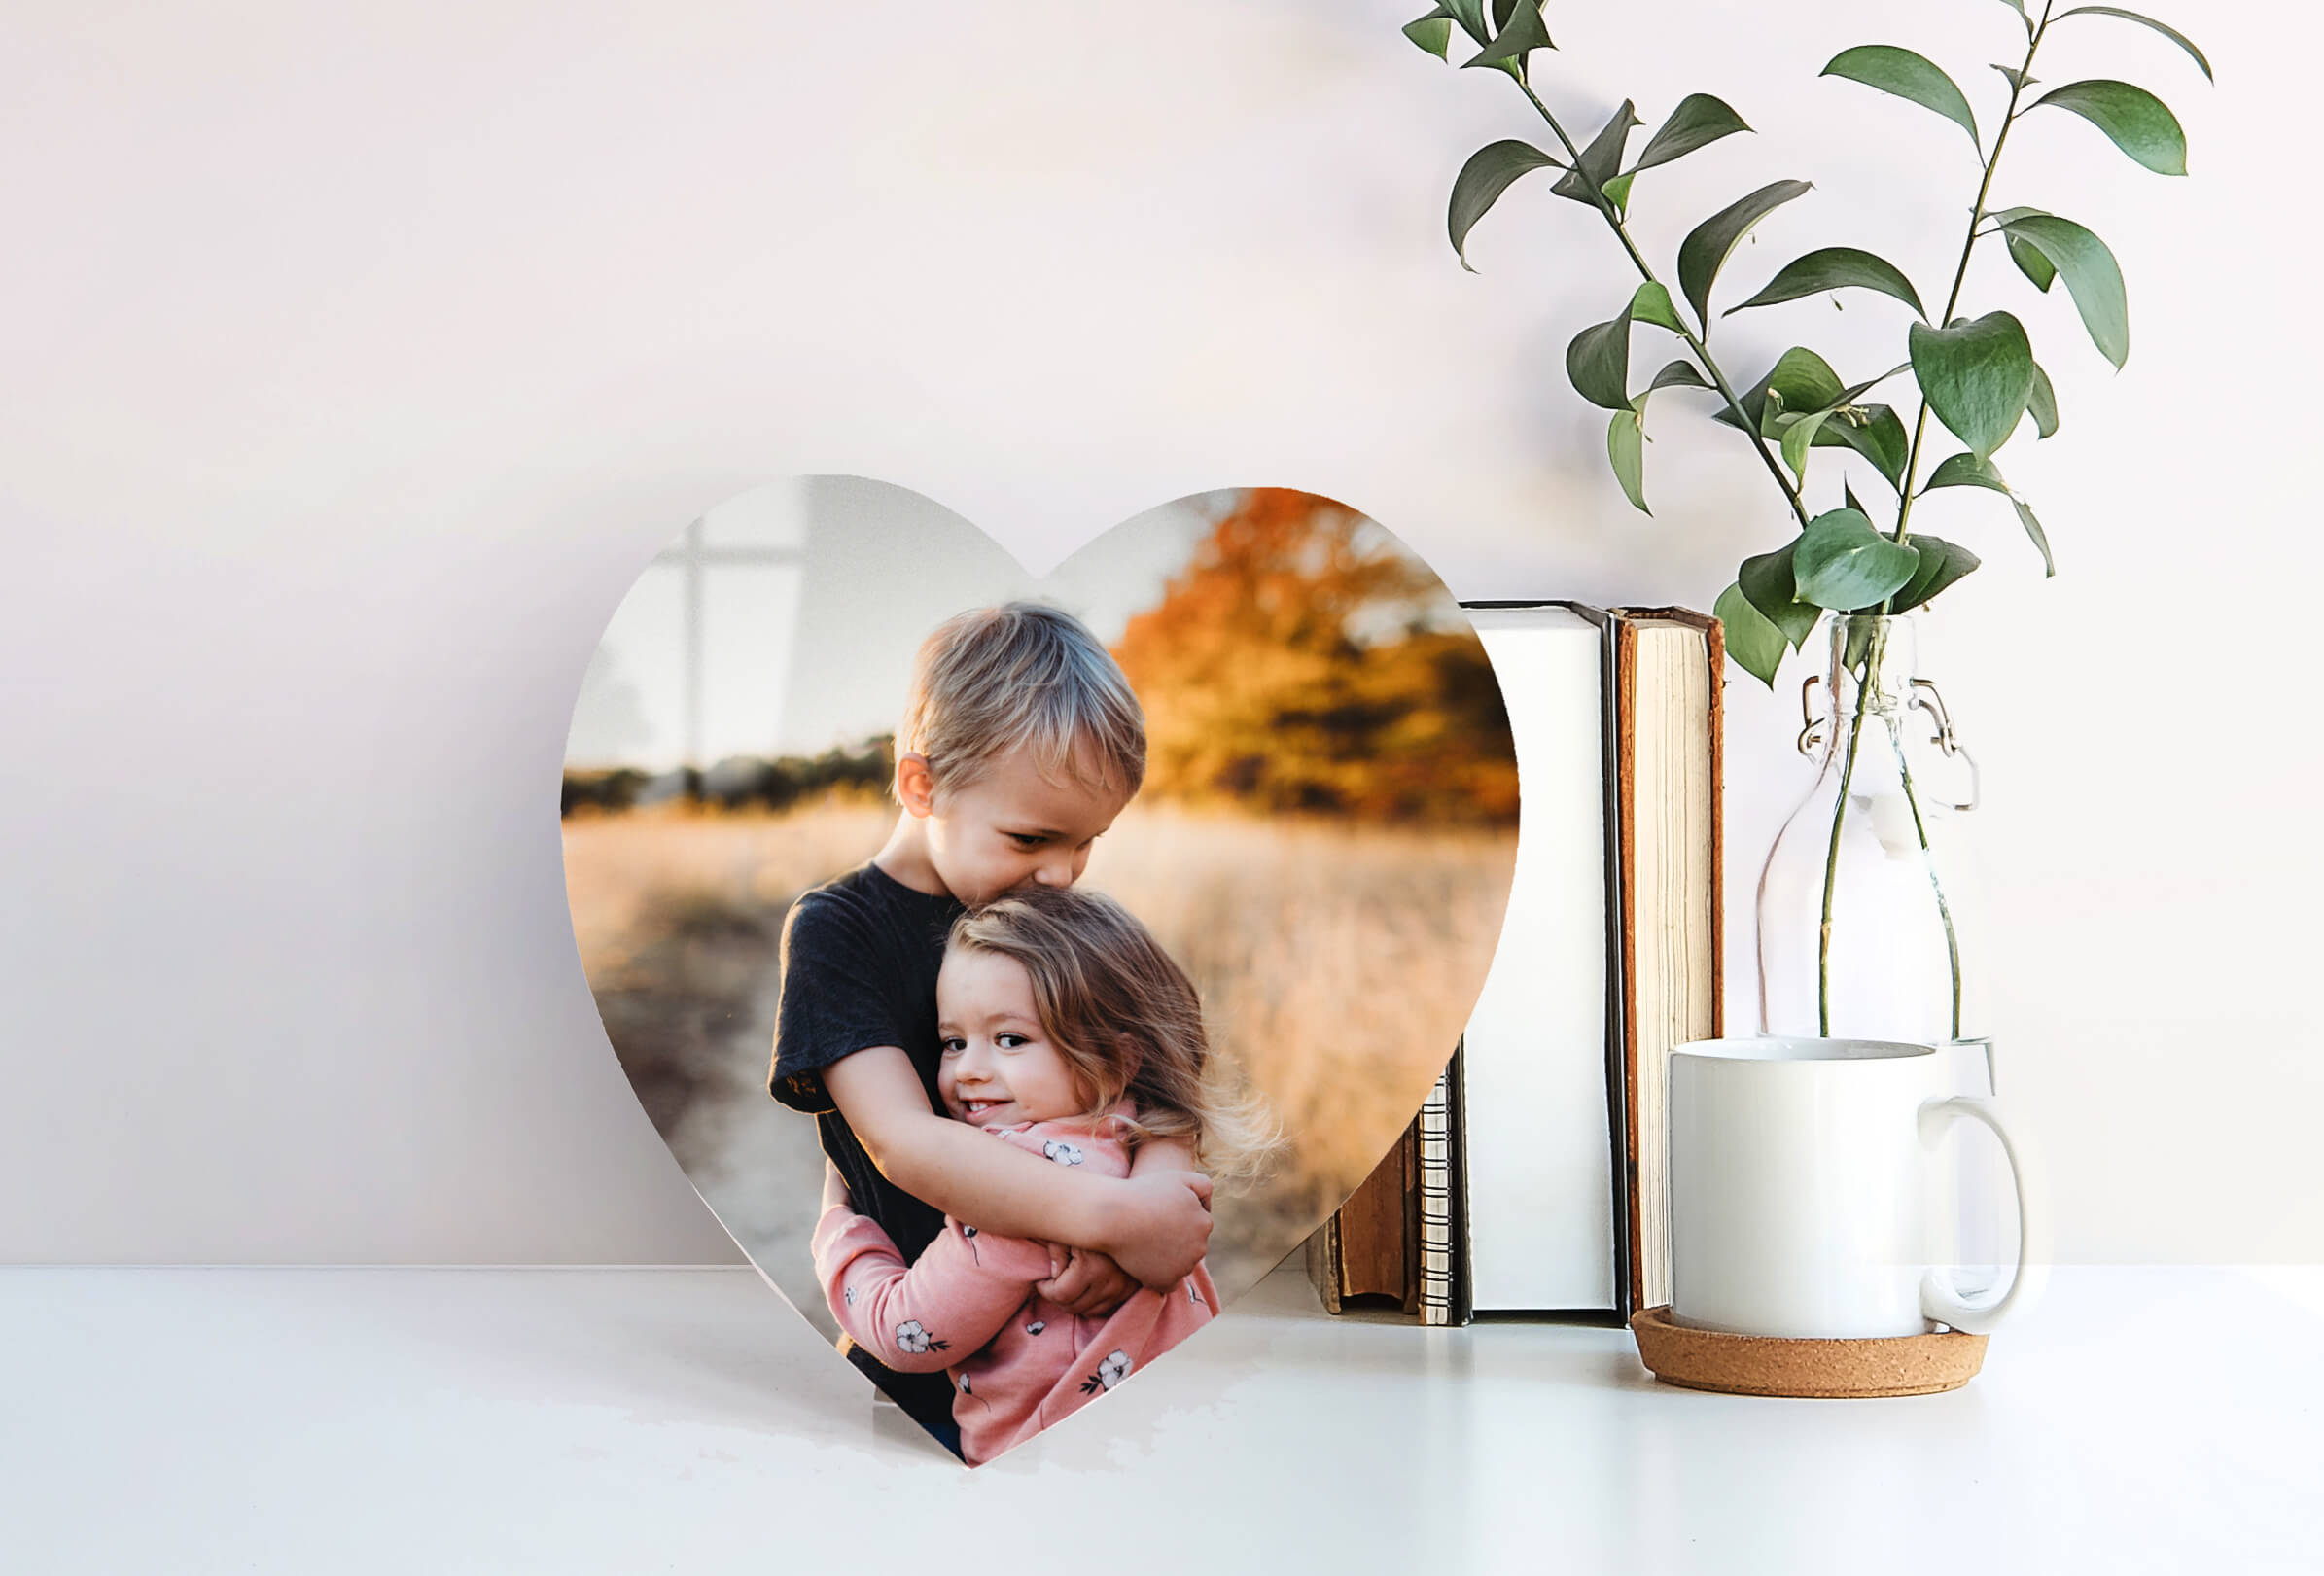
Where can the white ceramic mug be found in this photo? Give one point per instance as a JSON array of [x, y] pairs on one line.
[[1806, 1197]]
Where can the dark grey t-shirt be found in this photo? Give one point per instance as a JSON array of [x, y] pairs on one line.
[[860, 960]]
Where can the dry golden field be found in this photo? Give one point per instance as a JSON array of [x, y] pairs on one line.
[[1337, 964]]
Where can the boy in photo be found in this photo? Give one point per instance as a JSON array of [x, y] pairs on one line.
[[1021, 741]]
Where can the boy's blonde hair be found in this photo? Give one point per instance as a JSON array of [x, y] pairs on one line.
[[1023, 675], [1126, 1019]]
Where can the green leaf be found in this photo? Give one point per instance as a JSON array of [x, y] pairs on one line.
[[2140, 123], [1432, 32], [1625, 447], [2014, 78], [1835, 267], [1470, 15], [1848, 495], [1503, 11], [2033, 529], [1977, 377], [1875, 432], [1698, 120], [1941, 564], [1766, 580], [1859, 644], [1799, 432], [1800, 380], [2031, 262], [1679, 375], [1968, 470], [1598, 363], [1704, 249], [2043, 405], [1524, 32], [2019, 6], [1908, 76], [1481, 183], [2171, 33], [1600, 159], [1965, 471], [2092, 277], [1839, 561], [1756, 645], [1651, 304]]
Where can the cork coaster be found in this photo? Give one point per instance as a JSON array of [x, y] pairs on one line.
[[1763, 1365]]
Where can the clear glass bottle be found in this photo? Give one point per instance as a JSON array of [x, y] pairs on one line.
[[1865, 922]]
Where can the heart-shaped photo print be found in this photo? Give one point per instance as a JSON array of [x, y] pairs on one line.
[[1022, 967]]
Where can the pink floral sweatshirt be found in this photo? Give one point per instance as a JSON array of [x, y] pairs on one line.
[[1018, 1362]]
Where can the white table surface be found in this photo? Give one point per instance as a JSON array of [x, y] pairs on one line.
[[323, 1421]]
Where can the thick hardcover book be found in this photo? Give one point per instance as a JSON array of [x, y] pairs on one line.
[[1389, 1246], [1556, 1196], [1669, 670], [1539, 1160], [1369, 1251]]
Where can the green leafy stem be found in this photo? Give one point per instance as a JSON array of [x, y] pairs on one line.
[[1977, 377]]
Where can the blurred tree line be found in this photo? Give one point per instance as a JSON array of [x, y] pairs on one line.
[[1303, 661], [737, 783]]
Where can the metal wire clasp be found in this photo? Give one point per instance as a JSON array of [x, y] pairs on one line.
[[1925, 696], [1812, 730]]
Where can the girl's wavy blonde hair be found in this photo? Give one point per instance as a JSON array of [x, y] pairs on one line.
[[1127, 1020]]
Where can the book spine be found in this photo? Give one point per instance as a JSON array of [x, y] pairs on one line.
[[1439, 1272], [1323, 1254], [1618, 1100]]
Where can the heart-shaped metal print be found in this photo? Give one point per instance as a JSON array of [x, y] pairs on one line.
[[961, 930]]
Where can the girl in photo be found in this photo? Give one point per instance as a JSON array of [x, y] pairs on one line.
[[1069, 1032]]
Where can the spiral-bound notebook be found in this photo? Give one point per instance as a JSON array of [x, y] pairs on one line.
[[1533, 1180]]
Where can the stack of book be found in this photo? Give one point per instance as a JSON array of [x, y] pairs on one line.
[[1533, 1182]]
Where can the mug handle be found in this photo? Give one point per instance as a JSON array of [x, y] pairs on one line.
[[1938, 1300]]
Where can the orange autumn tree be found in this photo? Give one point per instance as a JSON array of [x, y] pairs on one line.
[[1303, 662]]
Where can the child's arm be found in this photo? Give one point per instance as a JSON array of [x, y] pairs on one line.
[[1091, 1282], [1156, 1223], [1163, 1155], [959, 1295]]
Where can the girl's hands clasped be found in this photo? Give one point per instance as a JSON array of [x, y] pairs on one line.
[[1086, 1281]]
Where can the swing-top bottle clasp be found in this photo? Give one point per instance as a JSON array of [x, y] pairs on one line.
[[1924, 696]]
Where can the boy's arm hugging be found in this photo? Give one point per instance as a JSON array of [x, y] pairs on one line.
[[1155, 1224], [1094, 1282]]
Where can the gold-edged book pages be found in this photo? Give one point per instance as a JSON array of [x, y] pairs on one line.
[[1669, 671]]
